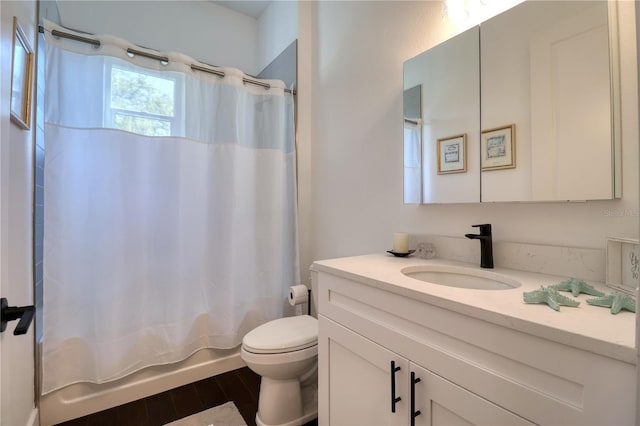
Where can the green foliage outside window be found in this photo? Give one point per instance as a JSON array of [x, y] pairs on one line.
[[142, 101]]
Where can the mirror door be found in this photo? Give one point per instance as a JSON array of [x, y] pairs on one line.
[[450, 96], [545, 71]]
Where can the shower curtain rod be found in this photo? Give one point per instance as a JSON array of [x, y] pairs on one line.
[[406, 120], [163, 59]]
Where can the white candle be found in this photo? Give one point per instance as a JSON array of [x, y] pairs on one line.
[[400, 242]]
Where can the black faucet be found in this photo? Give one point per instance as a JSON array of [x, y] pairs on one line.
[[486, 244]]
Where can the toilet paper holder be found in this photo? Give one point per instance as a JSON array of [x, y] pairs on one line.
[[300, 294]]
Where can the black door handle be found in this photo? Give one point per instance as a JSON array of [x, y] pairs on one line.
[[10, 313], [414, 413], [394, 399]]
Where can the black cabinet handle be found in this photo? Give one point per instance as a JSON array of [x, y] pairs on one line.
[[10, 313], [394, 399], [414, 413]]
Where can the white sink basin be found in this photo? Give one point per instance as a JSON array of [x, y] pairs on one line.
[[457, 276]]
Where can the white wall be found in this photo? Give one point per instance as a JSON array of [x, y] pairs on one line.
[[16, 203], [277, 29], [357, 52], [201, 29]]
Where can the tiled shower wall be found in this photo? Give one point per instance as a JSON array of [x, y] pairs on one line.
[[38, 215], [284, 67], [47, 9]]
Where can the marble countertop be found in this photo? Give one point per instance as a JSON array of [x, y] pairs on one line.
[[585, 327]]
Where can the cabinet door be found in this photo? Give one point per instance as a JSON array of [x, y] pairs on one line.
[[442, 402], [355, 380]]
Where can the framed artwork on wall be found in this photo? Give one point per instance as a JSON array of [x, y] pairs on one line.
[[498, 148], [21, 65], [452, 154]]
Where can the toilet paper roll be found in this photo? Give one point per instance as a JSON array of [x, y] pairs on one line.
[[298, 295]]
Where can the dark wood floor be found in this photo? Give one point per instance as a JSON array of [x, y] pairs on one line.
[[240, 386]]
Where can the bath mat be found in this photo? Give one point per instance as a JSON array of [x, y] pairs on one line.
[[223, 415]]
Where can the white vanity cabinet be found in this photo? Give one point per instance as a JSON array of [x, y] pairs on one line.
[[470, 370], [370, 385]]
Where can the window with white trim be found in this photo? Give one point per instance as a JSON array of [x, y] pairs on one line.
[[144, 101]]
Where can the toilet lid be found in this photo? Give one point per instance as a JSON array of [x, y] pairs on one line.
[[283, 335]]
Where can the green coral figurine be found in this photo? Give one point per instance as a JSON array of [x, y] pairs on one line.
[[617, 302], [576, 286], [550, 296]]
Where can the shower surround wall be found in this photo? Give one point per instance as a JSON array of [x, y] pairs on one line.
[[38, 191]]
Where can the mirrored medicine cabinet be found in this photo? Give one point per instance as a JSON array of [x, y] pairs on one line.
[[521, 108]]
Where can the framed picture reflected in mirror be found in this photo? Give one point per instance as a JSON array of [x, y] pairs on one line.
[[498, 148], [452, 154]]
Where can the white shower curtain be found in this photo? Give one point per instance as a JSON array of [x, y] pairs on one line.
[[170, 209]]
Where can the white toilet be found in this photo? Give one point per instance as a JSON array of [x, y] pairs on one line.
[[285, 353]]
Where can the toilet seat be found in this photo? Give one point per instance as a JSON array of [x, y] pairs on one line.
[[282, 335]]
